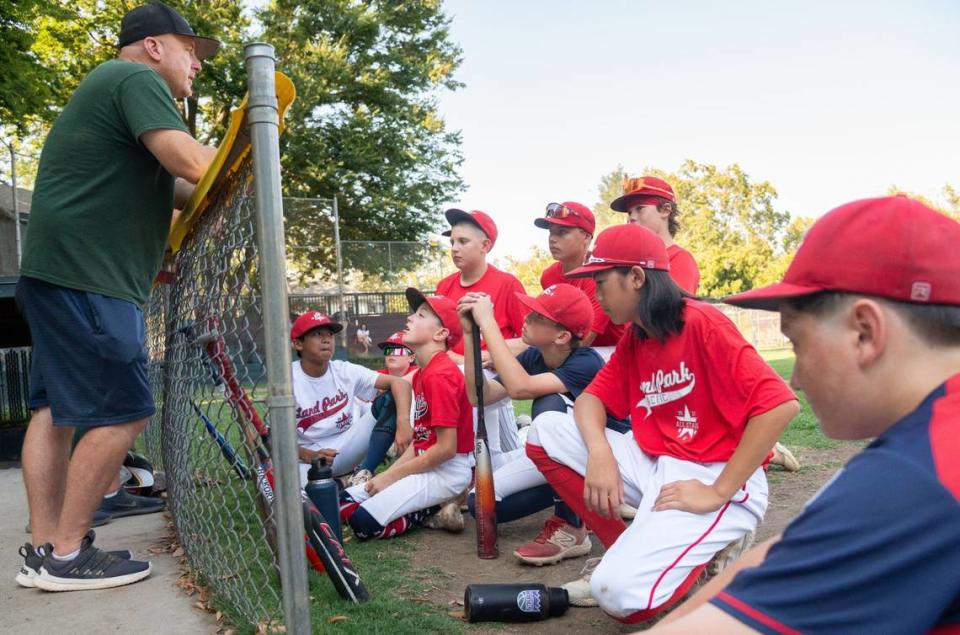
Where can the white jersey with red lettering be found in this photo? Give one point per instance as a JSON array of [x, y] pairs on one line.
[[324, 404]]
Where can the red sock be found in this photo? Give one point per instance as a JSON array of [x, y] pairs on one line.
[[395, 528], [346, 511], [569, 486]]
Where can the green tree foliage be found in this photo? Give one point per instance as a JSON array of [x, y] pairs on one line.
[[26, 84], [365, 124], [528, 270], [611, 186], [729, 223]]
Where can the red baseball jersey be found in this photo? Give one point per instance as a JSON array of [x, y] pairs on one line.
[[690, 397], [500, 286], [683, 269], [440, 401], [608, 333]]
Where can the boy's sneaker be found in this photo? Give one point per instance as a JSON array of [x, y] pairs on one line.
[[99, 518], [361, 477], [523, 421], [557, 541], [91, 569], [627, 512], [579, 589], [124, 503], [449, 518], [783, 457], [729, 554], [32, 561]]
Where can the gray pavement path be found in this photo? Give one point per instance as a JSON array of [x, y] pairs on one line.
[[155, 605]]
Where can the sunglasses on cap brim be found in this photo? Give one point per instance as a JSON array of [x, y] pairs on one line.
[[396, 350], [560, 211]]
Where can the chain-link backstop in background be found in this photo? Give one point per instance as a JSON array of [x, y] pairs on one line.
[[214, 293]]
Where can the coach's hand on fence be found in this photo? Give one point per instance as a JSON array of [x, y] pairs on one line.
[[602, 485], [689, 496]]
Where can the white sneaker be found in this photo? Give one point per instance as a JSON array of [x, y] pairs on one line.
[[449, 518], [783, 457], [523, 421], [729, 554], [579, 590], [361, 477]]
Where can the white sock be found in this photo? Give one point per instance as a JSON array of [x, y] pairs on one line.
[[111, 495], [69, 556]]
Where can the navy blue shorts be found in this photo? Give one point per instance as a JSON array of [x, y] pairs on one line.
[[89, 359]]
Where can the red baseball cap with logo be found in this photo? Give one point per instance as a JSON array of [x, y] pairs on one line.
[[444, 308], [630, 245], [892, 247], [568, 214], [642, 190], [565, 304], [476, 217], [313, 320], [394, 340]]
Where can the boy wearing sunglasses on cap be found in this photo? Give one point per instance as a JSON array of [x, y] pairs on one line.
[[398, 362], [871, 303], [552, 372], [705, 410], [571, 226]]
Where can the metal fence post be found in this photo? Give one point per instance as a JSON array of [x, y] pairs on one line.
[[336, 240], [263, 119]]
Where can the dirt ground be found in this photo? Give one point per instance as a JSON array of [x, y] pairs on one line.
[[453, 560]]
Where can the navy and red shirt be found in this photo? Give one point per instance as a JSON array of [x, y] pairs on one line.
[[878, 549]]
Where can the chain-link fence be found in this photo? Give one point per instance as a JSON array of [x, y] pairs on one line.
[[760, 328], [205, 340]]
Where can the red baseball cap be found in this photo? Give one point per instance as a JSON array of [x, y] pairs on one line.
[[892, 247], [568, 214], [445, 309], [313, 320], [565, 304], [394, 340], [642, 190], [630, 245], [476, 217]]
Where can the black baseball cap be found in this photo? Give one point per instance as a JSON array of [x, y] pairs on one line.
[[157, 18]]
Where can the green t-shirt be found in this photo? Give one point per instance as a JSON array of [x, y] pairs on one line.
[[102, 204]]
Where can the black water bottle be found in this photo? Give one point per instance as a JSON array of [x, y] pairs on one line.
[[325, 494], [513, 602]]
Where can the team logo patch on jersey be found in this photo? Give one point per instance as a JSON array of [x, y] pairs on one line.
[[344, 421], [420, 411], [421, 434], [680, 382], [687, 425]]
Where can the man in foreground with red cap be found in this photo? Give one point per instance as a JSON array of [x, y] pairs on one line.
[[705, 411], [650, 201], [871, 303]]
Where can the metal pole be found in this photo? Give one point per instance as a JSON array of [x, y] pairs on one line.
[[263, 119], [16, 209], [336, 240]]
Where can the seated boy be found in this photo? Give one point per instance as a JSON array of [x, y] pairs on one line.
[[436, 466], [552, 372], [332, 422]]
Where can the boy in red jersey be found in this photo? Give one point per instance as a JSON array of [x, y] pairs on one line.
[[436, 466], [472, 236], [705, 409], [650, 201], [571, 226]]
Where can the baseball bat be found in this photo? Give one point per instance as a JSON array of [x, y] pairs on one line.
[[323, 550], [485, 498], [225, 448]]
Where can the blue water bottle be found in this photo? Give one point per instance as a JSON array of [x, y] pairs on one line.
[[325, 494]]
